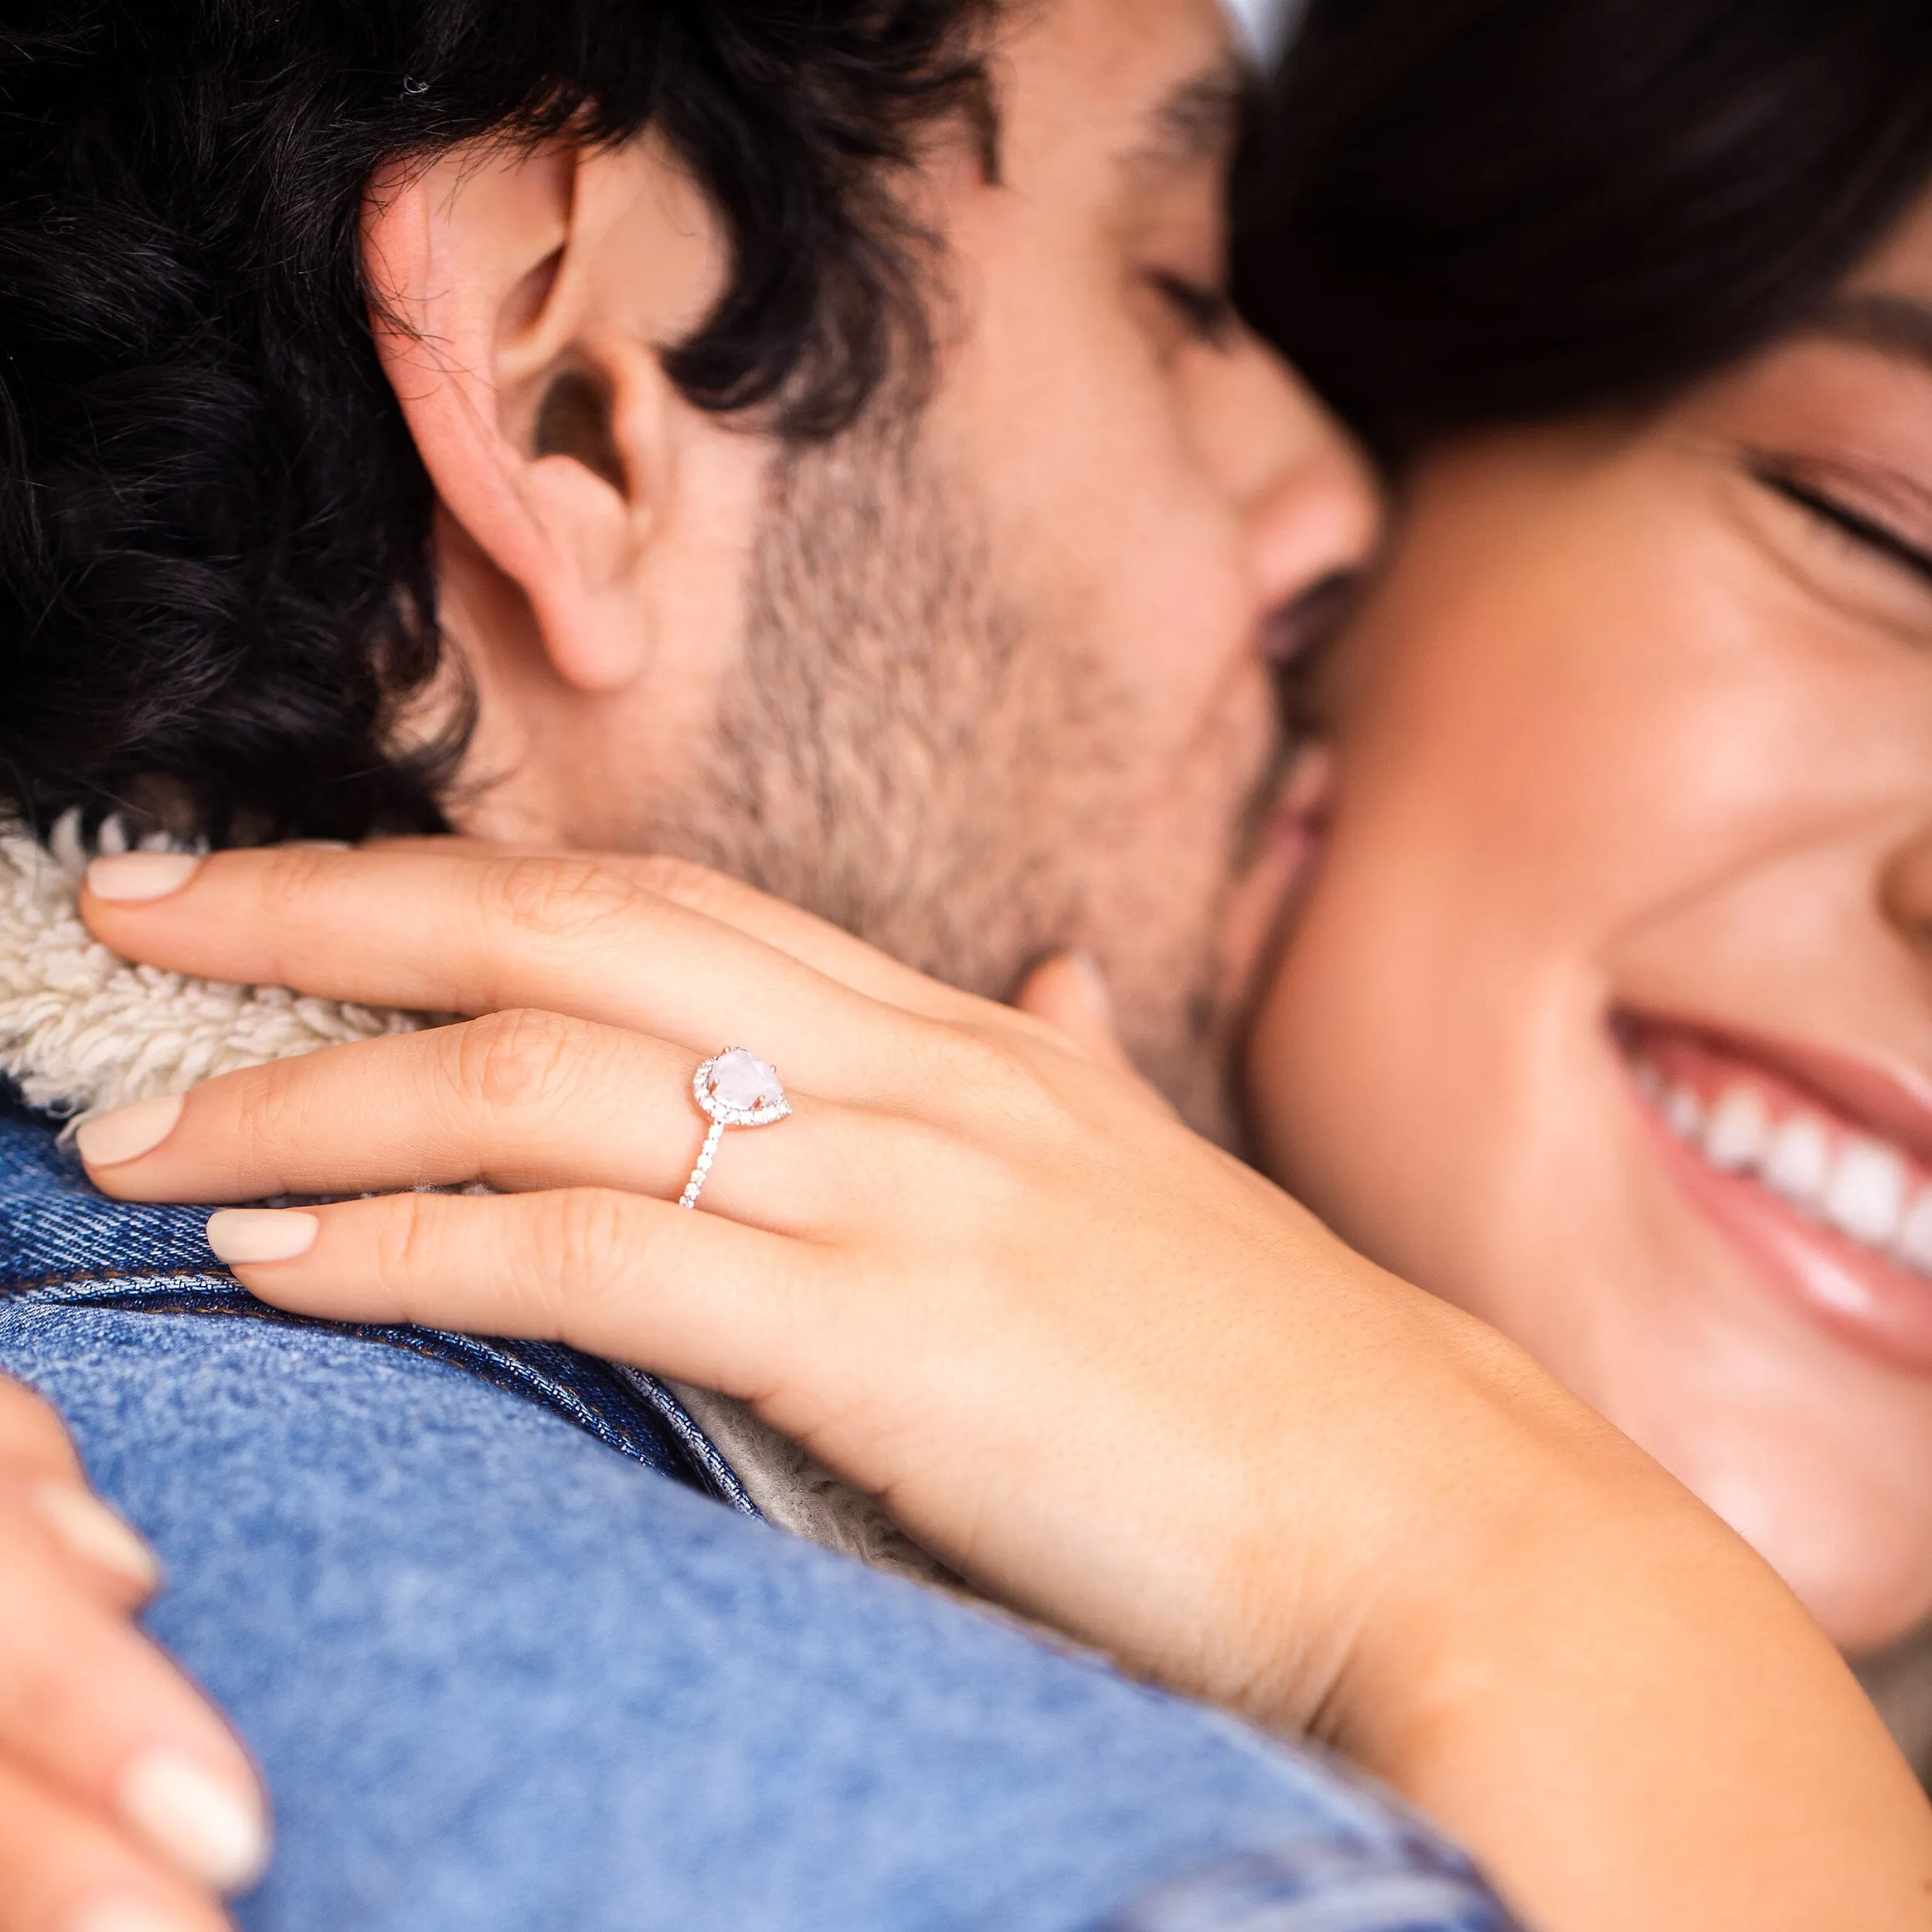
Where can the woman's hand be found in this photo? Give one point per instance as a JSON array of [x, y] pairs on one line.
[[1098, 1366], [1105, 1371], [125, 1805]]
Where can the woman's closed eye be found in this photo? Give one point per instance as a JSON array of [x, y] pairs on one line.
[[1866, 529], [1206, 313]]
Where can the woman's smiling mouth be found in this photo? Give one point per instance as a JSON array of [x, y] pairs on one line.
[[1821, 1170]]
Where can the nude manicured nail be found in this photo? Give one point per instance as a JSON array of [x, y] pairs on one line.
[[208, 1828], [94, 1533], [142, 875], [246, 1235], [105, 1140], [128, 1915]]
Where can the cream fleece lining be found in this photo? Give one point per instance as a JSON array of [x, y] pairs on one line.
[[82, 1030]]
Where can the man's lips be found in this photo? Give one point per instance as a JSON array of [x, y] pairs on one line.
[[1819, 1167]]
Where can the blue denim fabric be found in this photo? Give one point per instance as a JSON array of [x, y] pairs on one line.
[[506, 1672], [61, 1243]]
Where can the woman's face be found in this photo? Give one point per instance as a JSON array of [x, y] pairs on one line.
[[1608, 1013]]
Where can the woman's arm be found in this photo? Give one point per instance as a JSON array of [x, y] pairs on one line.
[[1108, 1373], [125, 1806]]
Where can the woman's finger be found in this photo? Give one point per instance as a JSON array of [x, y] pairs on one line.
[[37, 1462], [1069, 992], [91, 1706], [803, 936], [63, 1869], [519, 1101], [33, 1441], [457, 930], [688, 1295]]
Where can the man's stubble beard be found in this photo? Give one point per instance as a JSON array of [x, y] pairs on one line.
[[902, 752]]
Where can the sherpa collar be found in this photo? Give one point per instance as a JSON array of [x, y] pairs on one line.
[[83, 1028]]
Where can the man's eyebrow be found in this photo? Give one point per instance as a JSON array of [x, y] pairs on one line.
[[1197, 120], [1895, 325]]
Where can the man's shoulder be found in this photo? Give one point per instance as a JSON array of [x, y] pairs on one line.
[[57, 1230], [498, 1678], [67, 1251]]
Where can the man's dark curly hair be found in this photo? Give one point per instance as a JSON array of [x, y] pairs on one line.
[[216, 587]]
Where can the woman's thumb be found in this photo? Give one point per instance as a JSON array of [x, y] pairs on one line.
[[1069, 991]]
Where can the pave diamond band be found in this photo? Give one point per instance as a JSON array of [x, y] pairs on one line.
[[736, 1089]]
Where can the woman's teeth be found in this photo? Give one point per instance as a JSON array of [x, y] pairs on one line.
[[1864, 1187]]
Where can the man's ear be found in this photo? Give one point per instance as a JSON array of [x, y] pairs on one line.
[[517, 295]]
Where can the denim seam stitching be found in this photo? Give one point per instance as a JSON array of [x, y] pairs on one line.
[[104, 1275], [513, 1375]]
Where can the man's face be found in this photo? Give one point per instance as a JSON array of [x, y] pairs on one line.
[[999, 685]]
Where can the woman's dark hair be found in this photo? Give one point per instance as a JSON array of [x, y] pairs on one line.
[[1465, 213], [215, 579]]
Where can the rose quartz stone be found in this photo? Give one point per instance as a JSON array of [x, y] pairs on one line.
[[743, 1080]]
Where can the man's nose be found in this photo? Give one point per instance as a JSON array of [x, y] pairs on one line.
[[1312, 532], [1313, 506]]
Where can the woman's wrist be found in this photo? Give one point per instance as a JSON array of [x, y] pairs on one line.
[[1611, 1699]]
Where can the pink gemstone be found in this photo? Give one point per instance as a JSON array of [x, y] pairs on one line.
[[741, 1081]]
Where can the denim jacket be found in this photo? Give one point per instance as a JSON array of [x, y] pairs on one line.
[[507, 1664], [62, 1244]]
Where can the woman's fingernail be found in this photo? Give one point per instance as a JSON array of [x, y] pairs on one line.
[[142, 875], [209, 1829], [92, 1532], [105, 1140], [246, 1235], [128, 1915]]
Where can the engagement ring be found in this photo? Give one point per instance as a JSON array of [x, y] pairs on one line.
[[736, 1089]]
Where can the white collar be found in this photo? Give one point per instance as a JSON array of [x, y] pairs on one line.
[[82, 1029]]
